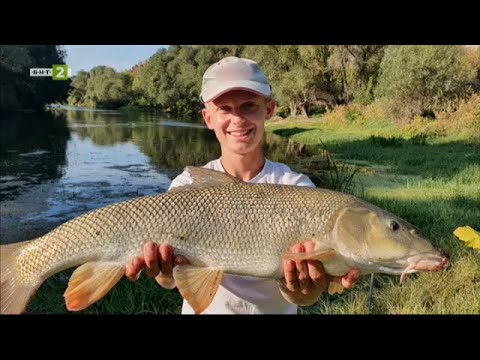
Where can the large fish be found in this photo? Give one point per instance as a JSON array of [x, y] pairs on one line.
[[221, 225]]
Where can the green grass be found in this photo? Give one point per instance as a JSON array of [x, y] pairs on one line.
[[141, 297], [433, 183]]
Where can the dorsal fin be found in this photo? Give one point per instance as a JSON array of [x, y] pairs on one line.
[[203, 177], [209, 176]]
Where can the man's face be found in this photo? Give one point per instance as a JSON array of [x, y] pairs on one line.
[[238, 117]]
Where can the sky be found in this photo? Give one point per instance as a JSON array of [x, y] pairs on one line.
[[119, 57]]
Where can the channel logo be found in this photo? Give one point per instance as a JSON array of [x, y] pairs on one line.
[[57, 72]]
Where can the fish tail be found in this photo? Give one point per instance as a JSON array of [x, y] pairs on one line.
[[14, 293]]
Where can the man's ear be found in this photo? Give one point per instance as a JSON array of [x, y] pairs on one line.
[[207, 117], [271, 105]]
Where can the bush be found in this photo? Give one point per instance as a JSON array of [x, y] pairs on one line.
[[415, 79]]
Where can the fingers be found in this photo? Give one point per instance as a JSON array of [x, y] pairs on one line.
[[316, 271], [165, 277], [296, 272], [350, 279], [181, 260], [151, 255], [290, 272], [315, 268], [302, 270], [304, 280], [158, 262], [134, 268], [166, 259]]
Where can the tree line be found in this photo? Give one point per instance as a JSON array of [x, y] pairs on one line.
[[306, 79], [20, 91]]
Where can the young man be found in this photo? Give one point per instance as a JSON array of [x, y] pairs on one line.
[[237, 98]]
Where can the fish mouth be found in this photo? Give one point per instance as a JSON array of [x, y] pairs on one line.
[[425, 262]]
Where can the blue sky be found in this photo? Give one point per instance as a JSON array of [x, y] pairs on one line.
[[120, 57]]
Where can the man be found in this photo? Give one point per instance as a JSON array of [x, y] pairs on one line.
[[237, 98]]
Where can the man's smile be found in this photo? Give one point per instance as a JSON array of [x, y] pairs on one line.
[[242, 133]]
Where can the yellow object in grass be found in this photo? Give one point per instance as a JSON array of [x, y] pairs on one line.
[[469, 235]]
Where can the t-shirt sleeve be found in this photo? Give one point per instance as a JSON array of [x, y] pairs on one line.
[[289, 177], [302, 180]]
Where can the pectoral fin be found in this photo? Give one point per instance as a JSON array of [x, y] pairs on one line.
[[311, 255], [90, 282], [198, 285]]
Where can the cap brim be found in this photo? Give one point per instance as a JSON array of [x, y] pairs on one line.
[[252, 86]]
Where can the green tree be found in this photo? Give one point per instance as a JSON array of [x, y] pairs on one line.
[[355, 69], [417, 80], [298, 74], [78, 88], [102, 87], [20, 91], [470, 65], [171, 78]]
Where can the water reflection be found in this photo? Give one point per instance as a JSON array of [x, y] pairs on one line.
[[170, 145], [32, 149]]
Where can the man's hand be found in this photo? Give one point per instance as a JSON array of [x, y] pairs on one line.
[[158, 262], [306, 280]]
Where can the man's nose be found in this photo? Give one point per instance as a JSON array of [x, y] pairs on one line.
[[237, 117]]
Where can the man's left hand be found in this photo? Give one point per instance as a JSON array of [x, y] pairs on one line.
[[306, 280]]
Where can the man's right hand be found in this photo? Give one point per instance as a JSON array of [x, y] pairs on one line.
[[158, 262]]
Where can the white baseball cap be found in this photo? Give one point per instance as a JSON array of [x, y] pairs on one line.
[[233, 73]]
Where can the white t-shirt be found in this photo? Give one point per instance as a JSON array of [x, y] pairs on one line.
[[243, 294]]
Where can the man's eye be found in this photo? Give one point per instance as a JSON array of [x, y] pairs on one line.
[[249, 107]]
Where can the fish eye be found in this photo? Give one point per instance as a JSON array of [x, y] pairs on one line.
[[394, 225]]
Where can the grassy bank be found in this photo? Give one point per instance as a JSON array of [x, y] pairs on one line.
[[432, 182]]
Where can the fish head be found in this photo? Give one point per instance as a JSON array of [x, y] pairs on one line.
[[386, 243]]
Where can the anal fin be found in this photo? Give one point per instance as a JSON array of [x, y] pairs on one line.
[[197, 285], [90, 282]]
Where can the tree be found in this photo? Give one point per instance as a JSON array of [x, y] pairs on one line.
[[102, 87], [355, 69], [78, 88], [171, 79], [298, 74], [20, 91], [417, 80]]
